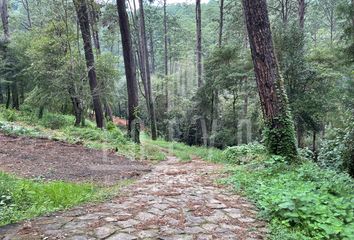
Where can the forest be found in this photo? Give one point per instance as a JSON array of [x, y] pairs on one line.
[[177, 119]]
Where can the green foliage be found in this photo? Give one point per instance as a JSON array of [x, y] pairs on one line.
[[243, 153], [300, 201], [20, 199], [337, 151], [280, 137]]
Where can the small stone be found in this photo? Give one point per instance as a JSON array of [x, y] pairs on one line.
[[122, 236], [204, 237], [147, 234], [209, 227], [104, 231], [144, 216], [127, 224], [246, 220], [193, 230], [92, 216]]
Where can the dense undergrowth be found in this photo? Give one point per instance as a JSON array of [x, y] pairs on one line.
[[300, 201]]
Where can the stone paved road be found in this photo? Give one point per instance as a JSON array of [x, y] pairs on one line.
[[175, 201]]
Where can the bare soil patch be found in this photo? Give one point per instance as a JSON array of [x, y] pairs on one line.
[[55, 160]]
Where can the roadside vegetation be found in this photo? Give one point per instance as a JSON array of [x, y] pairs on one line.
[[300, 201]]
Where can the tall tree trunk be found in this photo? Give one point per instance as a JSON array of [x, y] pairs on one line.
[[1, 95], [28, 13], [8, 96], [353, 20], [82, 14], [152, 52], [221, 24], [130, 72], [5, 19], [198, 21], [94, 19], [145, 57], [302, 11], [280, 134], [165, 53], [14, 93]]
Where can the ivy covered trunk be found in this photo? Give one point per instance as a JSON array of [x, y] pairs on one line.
[[280, 133]]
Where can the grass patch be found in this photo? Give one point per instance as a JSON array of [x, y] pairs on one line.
[[184, 152], [23, 199]]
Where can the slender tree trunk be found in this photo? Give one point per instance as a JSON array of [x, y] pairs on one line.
[[5, 19], [130, 72], [1, 95], [353, 20], [14, 93], [302, 11], [8, 96], [152, 52], [280, 134], [82, 14], [145, 61], [165, 52], [221, 24], [28, 13], [314, 148], [199, 42]]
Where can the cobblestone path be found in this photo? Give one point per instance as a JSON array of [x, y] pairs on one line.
[[174, 201]]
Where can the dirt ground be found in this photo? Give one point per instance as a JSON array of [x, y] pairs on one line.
[[53, 160]]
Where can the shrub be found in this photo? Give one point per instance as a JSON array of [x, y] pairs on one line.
[[337, 151], [54, 121], [300, 201], [243, 153]]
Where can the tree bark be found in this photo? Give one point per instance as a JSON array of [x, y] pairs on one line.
[[14, 93], [152, 52], [280, 134], [302, 11], [5, 19], [82, 14], [165, 52], [8, 96], [198, 21], [1, 95], [28, 13], [130, 72], [145, 57], [221, 24]]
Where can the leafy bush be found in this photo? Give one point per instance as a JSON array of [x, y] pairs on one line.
[[337, 151], [300, 201], [243, 153], [20, 199], [54, 121], [9, 115]]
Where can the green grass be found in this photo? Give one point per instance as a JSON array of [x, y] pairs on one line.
[[184, 152], [23, 199]]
